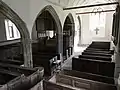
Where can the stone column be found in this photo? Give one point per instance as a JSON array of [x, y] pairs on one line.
[[27, 50]]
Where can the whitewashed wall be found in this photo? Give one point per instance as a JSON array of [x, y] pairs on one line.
[[86, 33], [28, 10]]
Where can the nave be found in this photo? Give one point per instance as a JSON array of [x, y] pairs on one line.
[[56, 51], [91, 72]]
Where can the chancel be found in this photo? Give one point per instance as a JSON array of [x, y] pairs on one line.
[[59, 45]]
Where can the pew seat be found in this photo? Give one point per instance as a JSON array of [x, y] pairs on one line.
[[105, 58], [92, 66], [6, 76], [98, 51], [100, 45], [96, 54], [76, 83], [47, 54], [46, 62], [24, 82], [89, 76], [11, 61], [17, 69]]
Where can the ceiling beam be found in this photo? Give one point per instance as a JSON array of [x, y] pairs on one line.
[[95, 12], [103, 4]]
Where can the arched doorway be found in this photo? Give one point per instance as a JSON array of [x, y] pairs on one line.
[[25, 37], [68, 36], [49, 21], [47, 39]]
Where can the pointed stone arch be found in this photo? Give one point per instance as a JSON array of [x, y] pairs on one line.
[[25, 36], [55, 16], [72, 29], [79, 20]]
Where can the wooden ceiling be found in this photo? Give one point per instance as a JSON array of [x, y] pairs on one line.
[[68, 3]]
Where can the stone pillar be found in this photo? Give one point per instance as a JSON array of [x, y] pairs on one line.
[[27, 51]]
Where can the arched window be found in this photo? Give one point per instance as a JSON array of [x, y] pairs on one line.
[[11, 30], [97, 22]]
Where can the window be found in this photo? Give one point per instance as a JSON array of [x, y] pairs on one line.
[[97, 22], [11, 30]]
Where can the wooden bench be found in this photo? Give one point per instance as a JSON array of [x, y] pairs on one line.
[[98, 51], [47, 54], [9, 49], [6, 76], [10, 61], [100, 45], [49, 49], [24, 83], [103, 58], [18, 57], [20, 70], [80, 83], [92, 66], [89, 76], [96, 54], [53, 86], [46, 62]]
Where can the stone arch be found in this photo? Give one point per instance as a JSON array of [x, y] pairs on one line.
[[25, 36], [79, 20], [73, 28], [53, 13]]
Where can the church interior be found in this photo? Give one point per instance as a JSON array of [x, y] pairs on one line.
[[59, 45]]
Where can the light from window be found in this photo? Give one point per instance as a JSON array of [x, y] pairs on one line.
[[11, 30], [50, 33], [97, 24]]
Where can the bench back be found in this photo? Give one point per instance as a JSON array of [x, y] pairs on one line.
[[24, 83], [83, 83], [104, 58], [96, 54], [92, 66], [53, 86], [89, 76], [100, 45]]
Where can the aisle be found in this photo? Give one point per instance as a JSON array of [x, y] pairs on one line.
[[68, 63]]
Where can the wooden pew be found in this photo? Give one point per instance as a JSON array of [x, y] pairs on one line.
[[10, 61], [100, 45], [81, 83], [17, 69], [98, 51], [89, 76], [93, 59], [46, 62], [103, 58], [47, 54], [53, 86], [91, 66], [6, 76], [17, 57], [50, 49], [9, 49], [24, 82], [96, 54]]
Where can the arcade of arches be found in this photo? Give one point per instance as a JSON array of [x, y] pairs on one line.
[[65, 45]]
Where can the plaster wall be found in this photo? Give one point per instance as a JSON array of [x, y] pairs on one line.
[[87, 36], [28, 10]]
